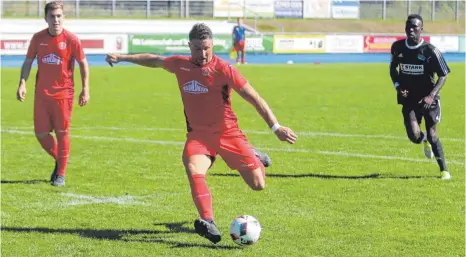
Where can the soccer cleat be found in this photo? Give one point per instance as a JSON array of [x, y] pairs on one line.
[[445, 175], [264, 158], [54, 173], [208, 230], [59, 181], [428, 150]]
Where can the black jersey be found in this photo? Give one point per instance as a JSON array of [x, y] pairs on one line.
[[416, 67]]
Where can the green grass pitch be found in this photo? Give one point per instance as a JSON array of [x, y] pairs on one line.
[[352, 185]]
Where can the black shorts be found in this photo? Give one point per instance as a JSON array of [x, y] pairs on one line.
[[432, 116]]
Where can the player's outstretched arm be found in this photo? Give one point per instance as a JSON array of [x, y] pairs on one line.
[[248, 93], [25, 71], [147, 60], [84, 70]]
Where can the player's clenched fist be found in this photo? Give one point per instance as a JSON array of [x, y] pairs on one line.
[[286, 134], [112, 58]]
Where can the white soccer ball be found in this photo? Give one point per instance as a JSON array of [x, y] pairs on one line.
[[245, 230]]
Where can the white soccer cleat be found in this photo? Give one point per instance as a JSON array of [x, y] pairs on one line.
[[445, 175], [428, 150]]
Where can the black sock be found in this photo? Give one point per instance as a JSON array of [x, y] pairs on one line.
[[438, 152]]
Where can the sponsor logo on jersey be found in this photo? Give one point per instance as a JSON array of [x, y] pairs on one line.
[[52, 59], [412, 69], [185, 69], [194, 87], [62, 45]]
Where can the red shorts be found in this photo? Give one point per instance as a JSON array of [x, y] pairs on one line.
[[239, 46], [52, 114], [234, 149]]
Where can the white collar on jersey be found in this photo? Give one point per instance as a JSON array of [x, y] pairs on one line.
[[413, 47]]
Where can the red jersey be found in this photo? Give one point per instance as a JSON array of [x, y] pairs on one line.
[[56, 56], [206, 93]]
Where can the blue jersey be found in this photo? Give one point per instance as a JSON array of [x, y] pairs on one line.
[[239, 33]]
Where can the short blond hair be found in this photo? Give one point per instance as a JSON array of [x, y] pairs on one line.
[[50, 6]]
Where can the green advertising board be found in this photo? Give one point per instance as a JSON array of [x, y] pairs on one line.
[[178, 43], [462, 46]]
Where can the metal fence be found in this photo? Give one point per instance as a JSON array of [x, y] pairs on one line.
[[445, 10]]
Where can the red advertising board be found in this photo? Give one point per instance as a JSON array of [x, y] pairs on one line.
[[12, 44], [382, 44], [92, 43]]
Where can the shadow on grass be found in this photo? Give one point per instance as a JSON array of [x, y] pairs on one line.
[[325, 176], [148, 236], [33, 181]]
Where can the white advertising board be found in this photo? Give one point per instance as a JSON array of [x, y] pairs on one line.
[[344, 43]]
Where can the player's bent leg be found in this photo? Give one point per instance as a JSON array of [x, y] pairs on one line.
[[240, 155], [255, 178], [411, 123]]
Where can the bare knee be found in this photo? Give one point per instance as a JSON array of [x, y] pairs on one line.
[[192, 170], [197, 164], [258, 185]]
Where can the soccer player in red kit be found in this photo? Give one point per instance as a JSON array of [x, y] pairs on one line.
[[205, 83], [56, 50]]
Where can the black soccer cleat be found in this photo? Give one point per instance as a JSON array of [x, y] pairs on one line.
[[264, 158], [54, 173], [208, 230], [59, 181]]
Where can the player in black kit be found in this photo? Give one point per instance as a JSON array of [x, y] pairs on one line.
[[412, 67]]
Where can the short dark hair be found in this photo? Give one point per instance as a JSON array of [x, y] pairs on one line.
[[200, 31], [415, 16], [50, 6]]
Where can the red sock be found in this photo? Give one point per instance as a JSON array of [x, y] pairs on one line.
[[201, 196], [50, 145], [63, 152]]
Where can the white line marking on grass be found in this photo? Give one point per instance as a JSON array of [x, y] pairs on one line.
[[257, 132], [290, 150], [112, 139], [360, 155], [88, 199]]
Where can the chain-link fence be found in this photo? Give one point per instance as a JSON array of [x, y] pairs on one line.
[[445, 10], [450, 10]]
